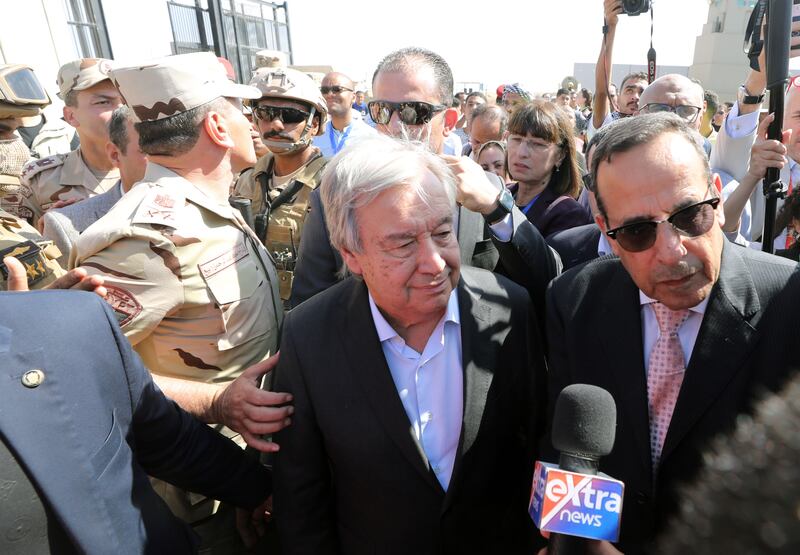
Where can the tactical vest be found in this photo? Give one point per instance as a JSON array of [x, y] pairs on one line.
[[20, 240], [280, 222]]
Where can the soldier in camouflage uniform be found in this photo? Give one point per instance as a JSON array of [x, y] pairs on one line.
[[18, 105], [90, 98], [290, 112], [194, 290]]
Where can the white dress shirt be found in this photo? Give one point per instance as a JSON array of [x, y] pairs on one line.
[[332, 141], [687, 333], [430, 385]]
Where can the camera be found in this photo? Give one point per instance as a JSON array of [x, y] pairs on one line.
[[635, 7]]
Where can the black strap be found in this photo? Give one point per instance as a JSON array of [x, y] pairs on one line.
[[651, 54], [753, 31]]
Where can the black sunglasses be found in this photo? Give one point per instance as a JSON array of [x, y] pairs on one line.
[[692, 221], [410, 113], [285, 114], [336, 89], [684, 111]]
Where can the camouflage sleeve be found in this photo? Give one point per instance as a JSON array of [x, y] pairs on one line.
[[28, 207], [245, 184], [143, 278]]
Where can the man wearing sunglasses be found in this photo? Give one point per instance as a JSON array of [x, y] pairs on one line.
[[343, 128], [671, 328], [412, 88], [290, 114]]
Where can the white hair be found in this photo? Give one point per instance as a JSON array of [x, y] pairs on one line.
[[365, 169]]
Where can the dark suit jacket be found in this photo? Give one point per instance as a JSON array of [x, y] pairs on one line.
[[551, 215], [352, 479], [576, 245], [595, 337], [526, 258], [94, 429]]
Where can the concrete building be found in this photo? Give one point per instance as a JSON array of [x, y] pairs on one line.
[[719, 61], [48, 33]]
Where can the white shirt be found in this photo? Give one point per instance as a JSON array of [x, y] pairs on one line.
[[333, 141], [430, 385], [687, 333], [603, 248], [453, 145]]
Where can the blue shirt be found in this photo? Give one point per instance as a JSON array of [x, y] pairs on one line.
[[332, 141], [430, 385]]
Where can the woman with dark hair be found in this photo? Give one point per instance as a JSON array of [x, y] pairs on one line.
[[543, 162], [492, 158], [584, 101]]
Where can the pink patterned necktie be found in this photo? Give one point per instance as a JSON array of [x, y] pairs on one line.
[[664, 376]]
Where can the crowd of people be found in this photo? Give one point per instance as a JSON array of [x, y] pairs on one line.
[[336, 320]]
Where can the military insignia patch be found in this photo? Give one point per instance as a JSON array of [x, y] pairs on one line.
[[159, 207], [31, 257], [37, 166], [123, 303]]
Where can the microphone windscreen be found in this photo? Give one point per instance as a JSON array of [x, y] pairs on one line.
[[585, 421]]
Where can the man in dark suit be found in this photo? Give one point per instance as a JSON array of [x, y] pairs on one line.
[[577, 244], [82, 426], [413, 88], [678, 321], [418, 409]]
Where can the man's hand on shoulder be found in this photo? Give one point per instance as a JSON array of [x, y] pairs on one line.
[[76, 278], [251, 411], [473, 190]]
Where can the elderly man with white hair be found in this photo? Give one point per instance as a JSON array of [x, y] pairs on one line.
[[418, 409]]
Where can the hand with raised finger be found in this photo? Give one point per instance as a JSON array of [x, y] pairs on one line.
[[474, 191], [767, 153]]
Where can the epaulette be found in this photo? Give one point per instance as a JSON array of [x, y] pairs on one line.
[[159, 206], [37, 166]]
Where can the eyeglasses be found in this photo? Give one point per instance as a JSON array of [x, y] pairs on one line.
[[684, 111], [285, 114], [410, 113], [336, 89], [692, 221]]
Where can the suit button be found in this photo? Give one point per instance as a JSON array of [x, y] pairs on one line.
[[33, 378]]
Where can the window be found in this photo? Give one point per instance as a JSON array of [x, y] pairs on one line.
[[250, 26], [191, 26], [89, 34]]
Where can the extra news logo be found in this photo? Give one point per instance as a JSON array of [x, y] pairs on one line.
[[576, 504]]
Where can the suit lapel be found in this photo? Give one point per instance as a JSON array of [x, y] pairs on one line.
[[470, 228], [371, 372], [626, 362], [32, 420], [726, 337], [478, 320]]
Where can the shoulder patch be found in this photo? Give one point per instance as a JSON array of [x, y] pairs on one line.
[[37, 166], [159, 206], [123, 303]]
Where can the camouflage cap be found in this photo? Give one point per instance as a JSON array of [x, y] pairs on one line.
[[81, 74], [291, 84], [167, 86]]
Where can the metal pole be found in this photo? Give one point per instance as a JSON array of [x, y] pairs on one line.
[[288, 32]]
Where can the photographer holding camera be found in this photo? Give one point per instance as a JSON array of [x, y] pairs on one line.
[[632, 85]]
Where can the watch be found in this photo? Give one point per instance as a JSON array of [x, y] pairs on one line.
[[505, 203], [746, 98]]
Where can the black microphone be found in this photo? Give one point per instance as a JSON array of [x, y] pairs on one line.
[[584, 429], [778, 39]]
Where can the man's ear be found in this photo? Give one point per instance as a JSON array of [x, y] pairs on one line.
[[601, 223], [450, 120], [352, 262], [216, 127], [69, 116], [113, 153]]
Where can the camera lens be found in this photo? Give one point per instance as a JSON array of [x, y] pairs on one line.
[[634, 7]]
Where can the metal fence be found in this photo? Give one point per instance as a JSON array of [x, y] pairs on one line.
[[247, 26]]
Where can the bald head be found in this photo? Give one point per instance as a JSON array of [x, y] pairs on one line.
[[675, 90], [338, 91]]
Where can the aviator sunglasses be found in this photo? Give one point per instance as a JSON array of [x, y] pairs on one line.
[[410, 113], [336, 89], [285, 114], [692, 221]]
